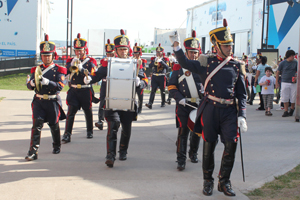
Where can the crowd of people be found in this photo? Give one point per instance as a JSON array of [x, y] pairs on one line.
[[215, 86]]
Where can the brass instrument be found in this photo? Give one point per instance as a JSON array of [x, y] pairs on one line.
[[75, 69], [156, 63], [37, 78]]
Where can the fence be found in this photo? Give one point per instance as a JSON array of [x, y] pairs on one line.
[[14, 65]]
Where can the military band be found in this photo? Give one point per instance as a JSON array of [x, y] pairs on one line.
[[47, 80]]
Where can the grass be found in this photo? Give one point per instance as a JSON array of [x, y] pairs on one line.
[[18, 82], [1, 98], [286, 186]]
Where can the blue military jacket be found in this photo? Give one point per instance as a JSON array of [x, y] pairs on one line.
[[162, 67]]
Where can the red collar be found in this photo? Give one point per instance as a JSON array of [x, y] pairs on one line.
[[83, 58], [45, 66], [220, 58]]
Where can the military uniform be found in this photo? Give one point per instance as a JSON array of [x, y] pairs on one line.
[[110, 50], [217, 113], [116, 118], [141, 66], [158, 79], [186, 86], [80, 95], [46, 105]]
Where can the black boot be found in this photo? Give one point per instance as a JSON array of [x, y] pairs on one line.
[[124, 141], [100, 122], [140, 96], [72, 110], [226, 168], [111, 141], [55, 131], [151, 100], [169, 101], [194, 146], [35, 139], [183, 133], [163, 99], [89, 122], [208, 165]]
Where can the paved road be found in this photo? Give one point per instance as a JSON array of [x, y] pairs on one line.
[[271, 148]]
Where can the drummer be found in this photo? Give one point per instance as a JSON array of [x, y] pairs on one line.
[[110, 52], [185, 88], [116, 118]]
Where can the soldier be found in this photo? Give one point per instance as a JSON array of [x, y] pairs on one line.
[[217, 113], [159, 67], [185, 88], [115, 118], [137, 53], [110, 52], [46, 104], [80, 95]]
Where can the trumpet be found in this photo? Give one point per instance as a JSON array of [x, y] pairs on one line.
[[156, 60], [74, 68]]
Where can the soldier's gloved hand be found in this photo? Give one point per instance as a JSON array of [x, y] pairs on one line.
[[242, 124], [87, 80], [80, 67], [182, 102], [74, 60], [45, 81], [32, 83], [137, 81], [174, 37]]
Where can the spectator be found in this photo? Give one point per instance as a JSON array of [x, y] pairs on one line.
[[259, 74], [267, 82], [288, 70]]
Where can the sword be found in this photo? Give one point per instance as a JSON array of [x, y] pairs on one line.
[[242, 160], [190, 105]]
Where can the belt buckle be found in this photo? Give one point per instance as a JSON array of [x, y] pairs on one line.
[[193, 100], [78, 86], [222, 101], [45, 96]]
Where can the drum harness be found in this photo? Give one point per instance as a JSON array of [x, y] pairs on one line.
[[191, 85]]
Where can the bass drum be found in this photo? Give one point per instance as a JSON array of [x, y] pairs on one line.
[[192, 119]]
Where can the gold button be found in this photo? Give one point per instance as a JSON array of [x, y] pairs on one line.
[[238, 70], [234, 65], [212, 61], [183, 90], [207, 73], [183, 85], [73, 79], [219, 62], [54, 75], [213, 91], [207, 65], [211, 85], [215, 103]]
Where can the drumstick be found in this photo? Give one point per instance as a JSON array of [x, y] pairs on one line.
[[190, 105]]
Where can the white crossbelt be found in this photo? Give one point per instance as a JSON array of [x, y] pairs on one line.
[[85, 60], [46, 96], [78, 86], [190, 83], [47, 69], [158, 74]]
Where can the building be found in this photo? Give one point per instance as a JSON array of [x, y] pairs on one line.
[[23, 25], [245, 19]]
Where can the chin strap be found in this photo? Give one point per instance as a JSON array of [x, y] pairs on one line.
[[217, 45]]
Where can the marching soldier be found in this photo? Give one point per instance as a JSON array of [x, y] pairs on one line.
[[159, 68], [217, 113], [137, 53], [116, 118], [110, 52], [185, 88], [80, 95], [47, 80]]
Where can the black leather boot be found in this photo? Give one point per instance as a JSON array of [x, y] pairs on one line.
[[226, 168], [111, 140], [89, 122], [55, 131], [208, 165], [140, 103], [183, 133], [100, 122], [163, 99], [72, 110], [124, 141], [151, 99], [194, 146], [35, 139]]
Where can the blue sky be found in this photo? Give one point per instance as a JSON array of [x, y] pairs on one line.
[[118, 14]]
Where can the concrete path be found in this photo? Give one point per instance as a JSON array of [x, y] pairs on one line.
[[271, 148]]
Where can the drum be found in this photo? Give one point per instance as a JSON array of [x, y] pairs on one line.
[[192, 119], [120, 85]]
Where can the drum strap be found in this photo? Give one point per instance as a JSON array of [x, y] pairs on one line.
[[190, 83], [47, 69], [216, 70]]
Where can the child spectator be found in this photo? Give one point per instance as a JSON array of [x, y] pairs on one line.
[[267, 82]]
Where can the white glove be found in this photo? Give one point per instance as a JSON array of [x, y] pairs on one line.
[[174, 37], [242, 124], [74, 60], [32, 83], [87, 80], [80, 67], [157, 59], [137, 81], [45, 81], [182, 102]]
